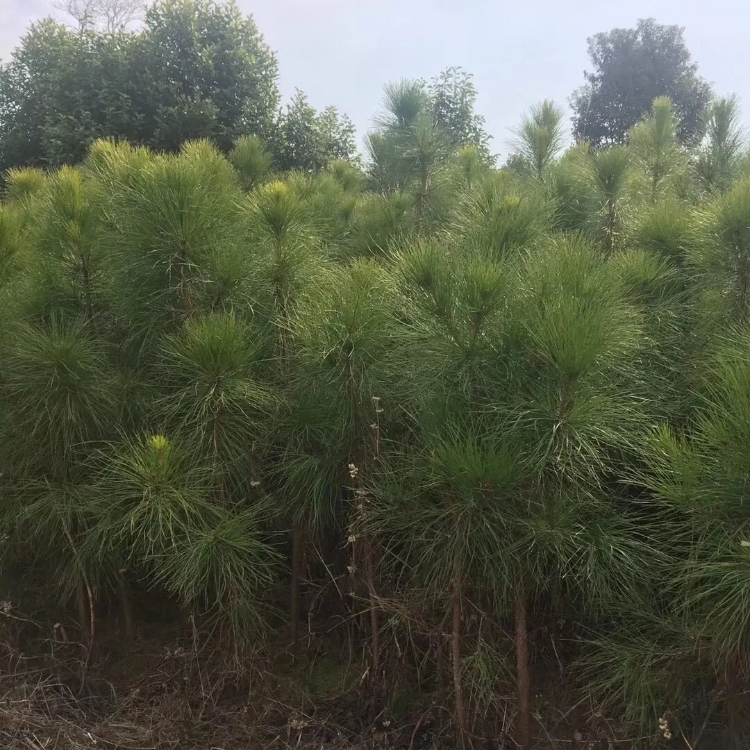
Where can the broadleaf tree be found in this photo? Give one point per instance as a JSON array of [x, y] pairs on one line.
[[631, 68]]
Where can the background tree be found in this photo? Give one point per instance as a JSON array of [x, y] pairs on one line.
[[195, 69], [409, 147], [201, 50], [453, 99], [307, 140], [60, 91], [631, 68]]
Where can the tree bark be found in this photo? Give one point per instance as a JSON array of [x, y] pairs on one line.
[[456, 659], [126, 604], [374, 627], [612, 225], [523, 679], [82, 608], [422, 195], [736, 704], [296, 575]]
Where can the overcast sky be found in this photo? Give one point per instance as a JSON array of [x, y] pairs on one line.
[[342, 51]]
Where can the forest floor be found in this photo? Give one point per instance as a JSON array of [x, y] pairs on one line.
[[144, 697], [165, 691]]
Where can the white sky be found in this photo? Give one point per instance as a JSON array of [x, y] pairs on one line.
[[341, 52]]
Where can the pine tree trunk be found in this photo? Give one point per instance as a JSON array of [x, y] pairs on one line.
[[374, 626], [612, 225], [422, 195], [523, 679], [216, 427], [87, 290], [185, 290], [456, 659], [294, 608], [736, 706], [82, 609], [126, 604]]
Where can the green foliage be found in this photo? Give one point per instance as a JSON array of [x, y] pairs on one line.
[[665, 229], [499, 216], [573, 189], [717, 162], [170, 223], [452, 100], [540, 138], [307, 140], [419, 128], [631, 68], [251, 160], [10, 241], [482, 401], [610, 172], [59, 396], [656, 148], [225, 569], [698, 478], [24, 183], [722, 256], [380, 222], [212, 391]]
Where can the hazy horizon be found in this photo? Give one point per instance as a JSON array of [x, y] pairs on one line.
[[341, 52]]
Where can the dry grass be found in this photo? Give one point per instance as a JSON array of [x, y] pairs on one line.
[[168, 696]]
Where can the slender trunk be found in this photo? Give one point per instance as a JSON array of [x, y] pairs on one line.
[[736, 706], [126, 604], [421, 195], [216, 439], [523, 680], [358, 443], [282, 354], [185, 291], [456, 659], [612, 225], [556, 594], [90, 630], [82, 610], [374, 627], [86, 275], [654, 188], [294, 595]]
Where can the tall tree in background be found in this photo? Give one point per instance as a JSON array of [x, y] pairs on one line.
[[410, 145], [196, 69], [203, 51], [418, 129], [308, 140], [60, 91], [453, 98], [631, 68]]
